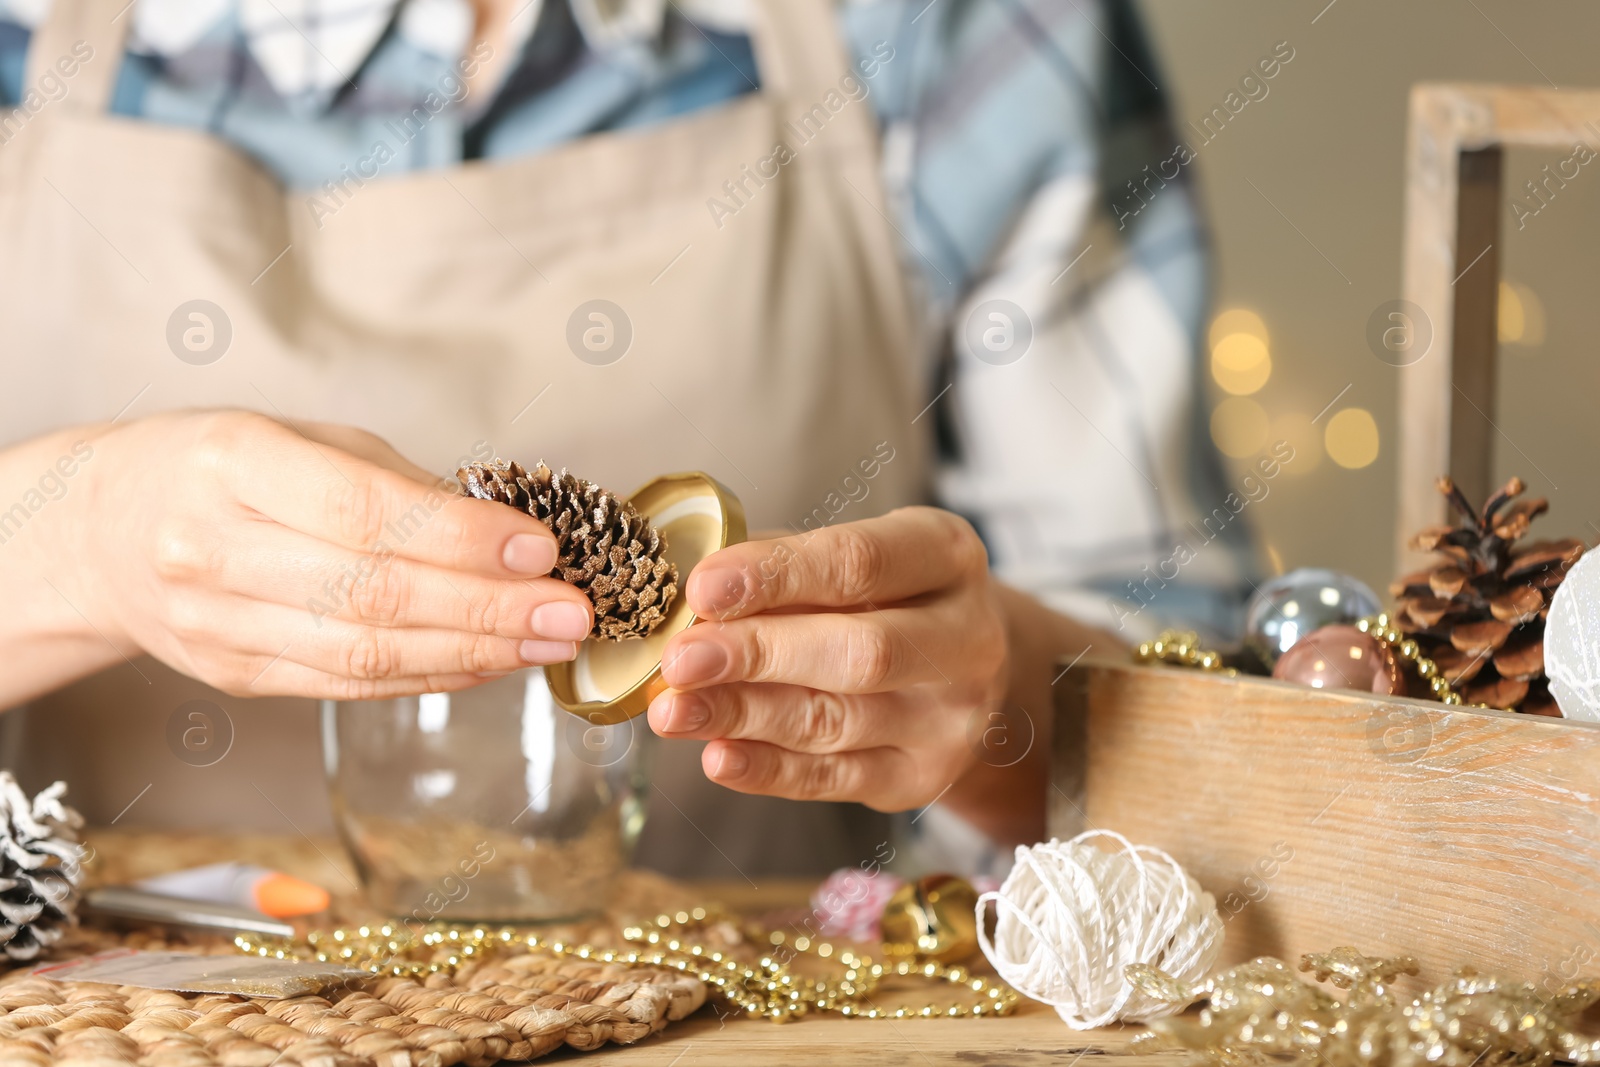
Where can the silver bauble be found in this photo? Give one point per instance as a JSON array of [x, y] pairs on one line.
[[1293, 605]]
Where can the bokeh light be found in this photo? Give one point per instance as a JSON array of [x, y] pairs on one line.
[[1521, 315], [1352, 438], [1241, 364], [1239, 426], [1238, 320], [1296, 428]]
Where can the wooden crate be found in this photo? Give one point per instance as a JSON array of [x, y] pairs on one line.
[[1321, 818]]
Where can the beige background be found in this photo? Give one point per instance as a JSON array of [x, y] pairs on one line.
[[1327, 147]]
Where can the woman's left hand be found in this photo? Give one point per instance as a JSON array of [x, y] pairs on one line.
[[850, 663]]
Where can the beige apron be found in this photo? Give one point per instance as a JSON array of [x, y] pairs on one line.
[[446, 311]]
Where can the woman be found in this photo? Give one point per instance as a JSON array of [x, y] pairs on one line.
[[771, 240]]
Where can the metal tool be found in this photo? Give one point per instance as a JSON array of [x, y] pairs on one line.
[[139, 905]]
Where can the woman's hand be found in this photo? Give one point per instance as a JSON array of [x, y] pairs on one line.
[[262, 561], [851, 663]]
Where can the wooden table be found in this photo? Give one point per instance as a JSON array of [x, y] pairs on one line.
[[1034, 1035]]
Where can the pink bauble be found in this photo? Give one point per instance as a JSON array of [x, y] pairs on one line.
[[1341, 657]]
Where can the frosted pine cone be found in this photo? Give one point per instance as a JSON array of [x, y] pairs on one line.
[[605, 547], [39, 868]]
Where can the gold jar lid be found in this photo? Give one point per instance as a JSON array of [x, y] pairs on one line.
[[613, 681]]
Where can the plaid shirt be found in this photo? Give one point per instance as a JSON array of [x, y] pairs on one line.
[[1014, 131]]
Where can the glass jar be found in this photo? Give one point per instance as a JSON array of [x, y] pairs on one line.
[[487, 804]]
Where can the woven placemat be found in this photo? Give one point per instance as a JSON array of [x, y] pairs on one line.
[[512, 1007]]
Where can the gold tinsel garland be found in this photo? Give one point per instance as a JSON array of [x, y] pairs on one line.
[[1261, 1013]]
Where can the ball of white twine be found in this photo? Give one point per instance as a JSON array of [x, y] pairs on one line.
[[1072, 916]]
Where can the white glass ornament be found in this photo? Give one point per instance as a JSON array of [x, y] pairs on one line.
[[1572, 641]]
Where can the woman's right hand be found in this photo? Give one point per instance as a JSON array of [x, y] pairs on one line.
[[261, 560]]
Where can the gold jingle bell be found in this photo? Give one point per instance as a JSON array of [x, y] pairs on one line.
[[934, 917]]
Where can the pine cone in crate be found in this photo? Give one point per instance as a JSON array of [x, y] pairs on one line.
[[1480, 613], [39, 868], [605, 547]]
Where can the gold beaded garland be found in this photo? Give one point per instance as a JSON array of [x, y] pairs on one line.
[[769, 989], [1182, 647], [1377, 627]]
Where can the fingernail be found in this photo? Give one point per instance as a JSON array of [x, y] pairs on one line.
[[700, 661], [722, 590], [732, 764], [561, 620], [529, 554], [545, 652], [686, 713]]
